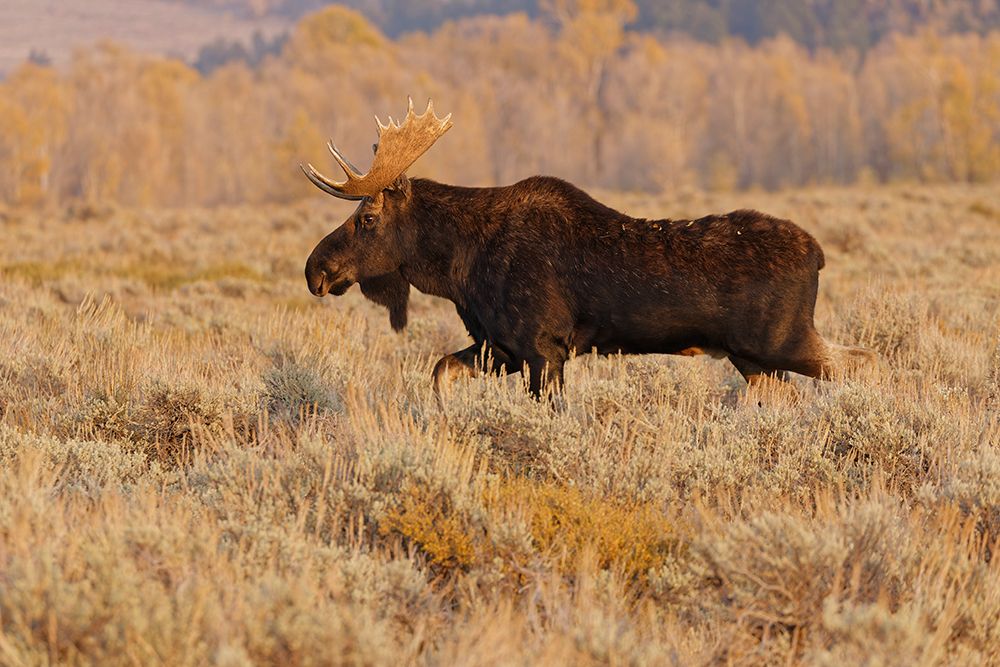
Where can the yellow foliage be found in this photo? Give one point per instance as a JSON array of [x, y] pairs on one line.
[[564, 524], [32, 118], [300, 138], [331, 33], [623, 10], [429, 519], [565, 521]]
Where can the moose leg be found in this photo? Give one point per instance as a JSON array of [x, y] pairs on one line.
[[466, 363], [453, 366], [754, 373], [764, 384], [815, 357], [545, 375], [848, 359], [545, 366]]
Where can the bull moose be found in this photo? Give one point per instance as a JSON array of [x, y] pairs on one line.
[[539, 269]]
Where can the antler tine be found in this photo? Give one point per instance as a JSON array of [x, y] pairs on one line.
[[325, 184], [345, 164]]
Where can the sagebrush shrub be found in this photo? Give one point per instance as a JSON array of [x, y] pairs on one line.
[[772, 451], [975, 487], [89, 466], [293, 389], [775, 572], [169, 414], [516, 432], [871, 634], [873, 432], [888, 322], [166, 422]]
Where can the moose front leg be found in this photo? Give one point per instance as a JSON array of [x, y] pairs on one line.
[[545, 375], [468, 363], [545, 366]]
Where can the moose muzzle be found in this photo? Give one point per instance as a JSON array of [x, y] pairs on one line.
[[318, 283], [322, 283]]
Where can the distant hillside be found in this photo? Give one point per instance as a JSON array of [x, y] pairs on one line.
[[52, 29], [814, 23]]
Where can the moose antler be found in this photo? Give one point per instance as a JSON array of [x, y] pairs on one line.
[[399, 146]]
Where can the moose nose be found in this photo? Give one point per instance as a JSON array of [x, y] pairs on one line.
[[320, 286]]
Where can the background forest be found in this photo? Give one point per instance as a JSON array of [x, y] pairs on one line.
[[834, 23], [608, 93]]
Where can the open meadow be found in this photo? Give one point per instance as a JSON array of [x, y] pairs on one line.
[[200, 463]]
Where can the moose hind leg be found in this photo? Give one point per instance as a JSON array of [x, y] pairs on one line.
[[467, 363], [845, 360], [755, 373], [765, 385], [813, 356]]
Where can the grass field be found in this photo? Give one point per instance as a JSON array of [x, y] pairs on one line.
[[202, 464]]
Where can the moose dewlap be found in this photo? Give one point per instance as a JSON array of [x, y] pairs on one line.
[[539, 268]]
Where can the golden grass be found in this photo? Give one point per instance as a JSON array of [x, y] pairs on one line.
[[562, 523], [156, 274], [201, 464]]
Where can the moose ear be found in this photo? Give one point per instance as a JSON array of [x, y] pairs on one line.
[[392, 291], [400, 186]]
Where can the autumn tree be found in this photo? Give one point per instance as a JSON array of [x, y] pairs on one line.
[[34, 108], [590, 34]]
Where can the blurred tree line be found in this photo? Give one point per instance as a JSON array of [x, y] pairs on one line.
[[572, 93], [813, 23], [836, 24]]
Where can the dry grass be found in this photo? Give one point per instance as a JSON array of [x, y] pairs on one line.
[[201, 464]]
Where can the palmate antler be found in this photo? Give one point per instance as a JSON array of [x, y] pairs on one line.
[[399, 146]]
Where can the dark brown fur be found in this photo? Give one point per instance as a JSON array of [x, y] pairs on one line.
[[539, 268]]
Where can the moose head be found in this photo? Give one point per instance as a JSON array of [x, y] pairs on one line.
[[372, 243]]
